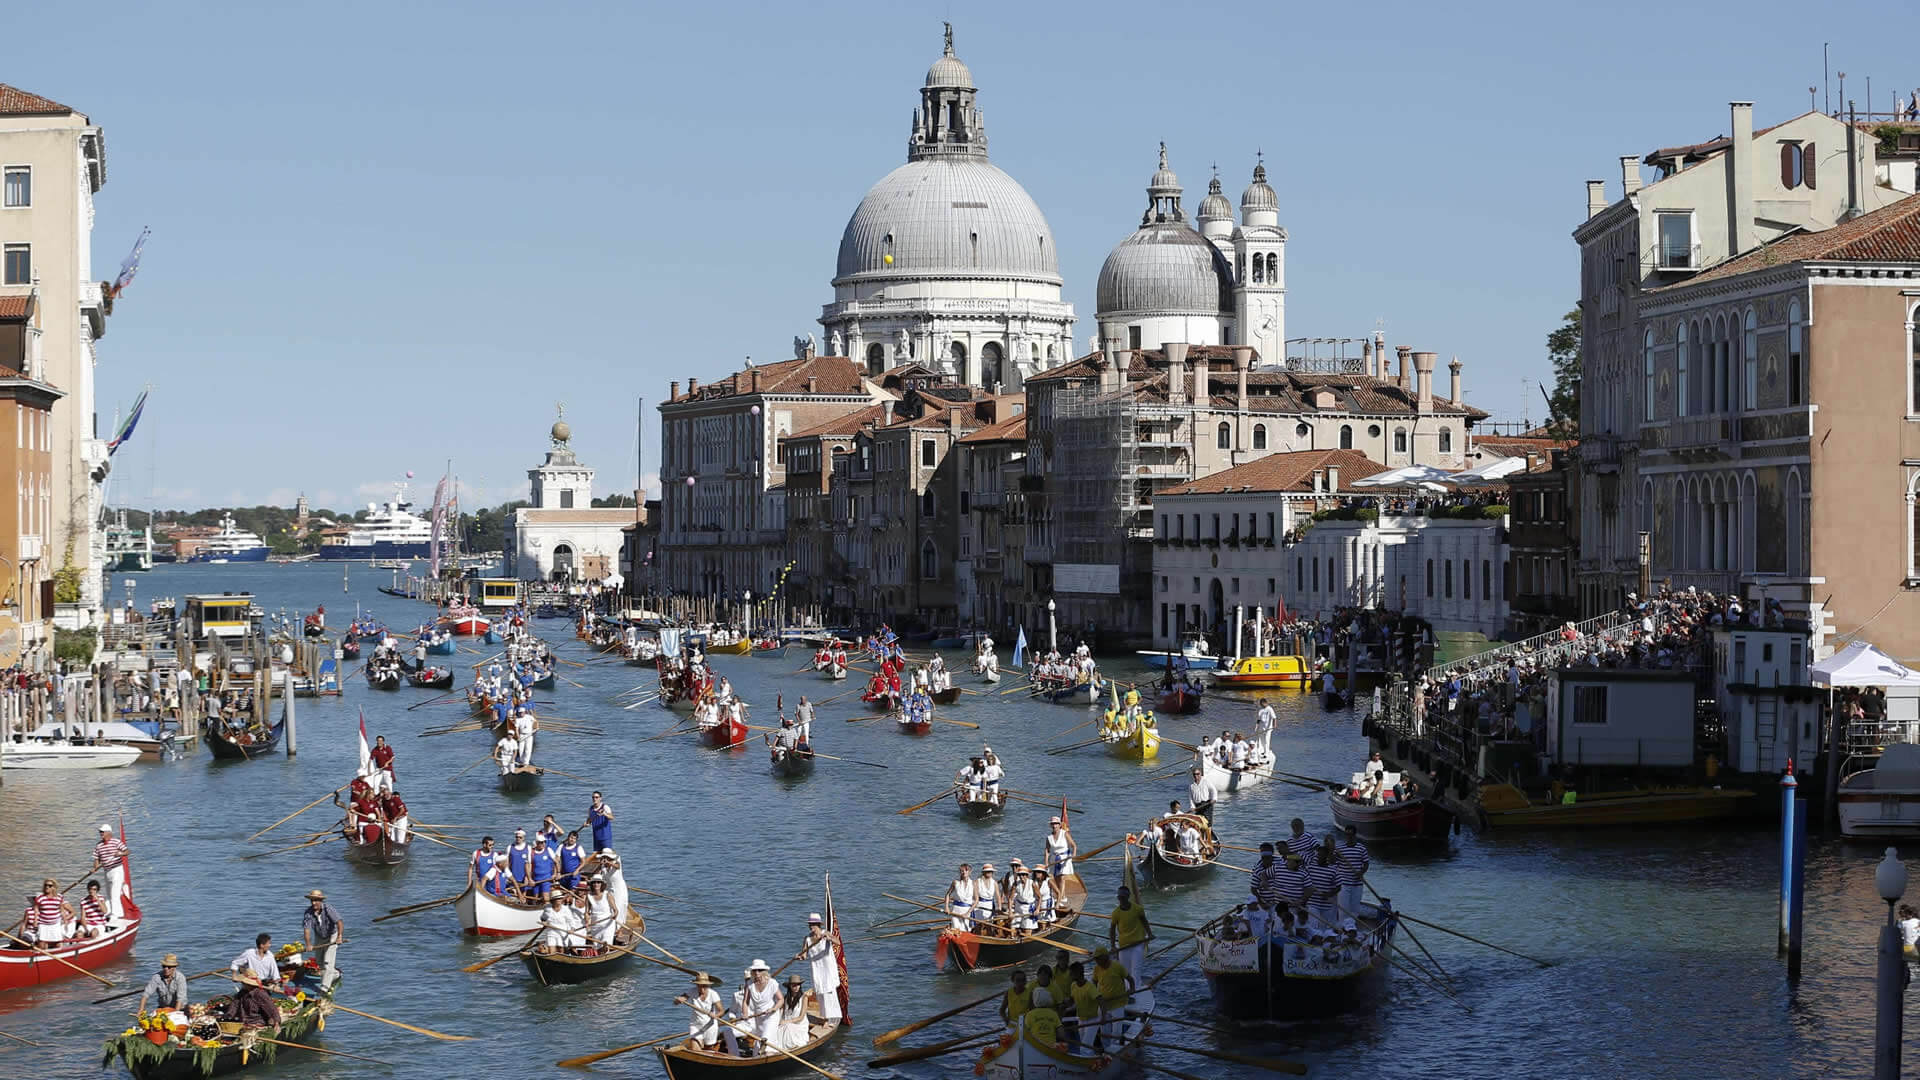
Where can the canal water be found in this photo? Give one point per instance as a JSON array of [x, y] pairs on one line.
[[1662, 940]]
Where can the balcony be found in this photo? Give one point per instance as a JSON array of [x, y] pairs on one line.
[[1163, 471], [992, 563], [876, 521], [989, 500], [1677, 256], [1699, 431], [1601, 450]]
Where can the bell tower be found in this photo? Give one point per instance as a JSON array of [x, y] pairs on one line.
[[1260, 262], [948, 123], [561, 482]]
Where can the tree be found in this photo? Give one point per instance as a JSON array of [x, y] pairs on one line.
[[1563, 402], [613, 501]]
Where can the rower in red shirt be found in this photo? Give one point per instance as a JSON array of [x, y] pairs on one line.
[[382, 756]]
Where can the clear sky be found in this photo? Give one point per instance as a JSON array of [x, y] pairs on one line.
[[389, 234]]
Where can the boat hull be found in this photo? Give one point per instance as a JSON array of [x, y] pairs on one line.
[[967, 951], [1606, 810], [738, 648], [793, 764], [21, 968], [523, 780], [566, 969], [379, 549], [226, 749], [487, 915], [910, 726], [1224, 779], [684, 1063], [726, 735], [1289, 984], [1195, 661], [1415, 819], [1178, 703], [1018, 1058], [59, 756], [1142, 744], [980, 808], [1171, 871], [949, 696], [382, 852], [258, 554]]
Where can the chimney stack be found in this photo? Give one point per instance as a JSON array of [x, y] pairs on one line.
[[693, 387], [1596, 197], [1405, 376], [1202, 391], [1453, 391], [813, 384], [1740, 180], [955, 419], [1176, 372], [1629, 173], [1333, 478], [1423, 374], [1366, 358], [674, 393], [753, 380], [1380, 352], [886, 412], [1242, 362]]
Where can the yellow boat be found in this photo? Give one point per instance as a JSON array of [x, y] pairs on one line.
[[1140, 744], [1258, 671], [738, 648], [1504, 806]]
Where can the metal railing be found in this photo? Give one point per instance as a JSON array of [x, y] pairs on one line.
[[1548, 649]]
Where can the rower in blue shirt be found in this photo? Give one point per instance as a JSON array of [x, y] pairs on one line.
[[570, 859], [541, 861], [517, 853], [600, 816], [483, 858]]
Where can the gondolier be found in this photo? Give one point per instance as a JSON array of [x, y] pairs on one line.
[[803, 719], [960, 896], [322, 932], [818, 952], [110, 855], [1201, 794], [382, 756], [600, 817], [1263, 729], [166, 987]]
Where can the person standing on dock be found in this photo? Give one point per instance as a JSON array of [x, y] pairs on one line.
[[110, 855], [1353, 860], [600, 817]]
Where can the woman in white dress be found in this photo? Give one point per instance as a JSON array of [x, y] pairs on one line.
[[603, 916], [792, 1033]]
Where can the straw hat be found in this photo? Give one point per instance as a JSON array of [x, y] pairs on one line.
[[170, 960], [316, 894]]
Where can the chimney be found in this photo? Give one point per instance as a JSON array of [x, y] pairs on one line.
[[1853, 159], [1202, 392], [1629, 173], [956, 418], [1453, 390], [1740, 179], [674, 393], [1333, 478], [1380, 353], [1176, 372], [1319, 481], [753, 380], [1596, 197], [1366, 358], [1242, 361], [1423, 374], [693, 387], [1405, 377], [813, 384], [886, 412]]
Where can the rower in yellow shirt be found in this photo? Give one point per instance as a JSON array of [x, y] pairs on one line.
[[1114, 986], [1018, 999], [1086, 1011], [1041, 1024], [1128, 932], [1058, 983]]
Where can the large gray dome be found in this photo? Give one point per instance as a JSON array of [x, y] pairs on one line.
[[1164, 269], [948, 217]]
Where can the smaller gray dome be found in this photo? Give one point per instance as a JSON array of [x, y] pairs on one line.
[[1215, 206], [950, 72], [1258, 195], [1164, 268], [1163, 182]]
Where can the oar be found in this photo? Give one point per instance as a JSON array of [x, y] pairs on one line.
[[895, 934], [18, 1039], [1101, 848], [1075, 746], [587, 1059], [1040, 802], [929, 802], [670, 734], [130, 993], [322, 1050], [1410, 936], [300, 811], [1475, 940], [782, 1051], [296, 847], [412, 908], [850, 761], [921, 1053], [542, 770], [1271, 1064], [1075, 728], [957, 723], [485, 964], [51, 956], [902, 1032], [661, 895], [409, 1027], [662, 948], [469, 768]]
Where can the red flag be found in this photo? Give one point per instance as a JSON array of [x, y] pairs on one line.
[[128, 908], [366, 752], [839, 957]]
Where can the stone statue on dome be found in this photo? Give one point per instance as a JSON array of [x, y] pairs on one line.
[[835, 344]]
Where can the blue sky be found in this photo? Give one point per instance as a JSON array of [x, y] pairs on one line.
[[389, 234]]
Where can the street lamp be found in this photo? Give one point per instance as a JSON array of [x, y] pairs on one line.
[[1891, 879], [747, 595], [1053, 637]]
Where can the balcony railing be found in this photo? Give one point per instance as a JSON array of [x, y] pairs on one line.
[[987, 500], [1675, 256]]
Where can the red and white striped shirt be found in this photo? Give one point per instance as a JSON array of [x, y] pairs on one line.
[[110, 852], [93, 911], [47, 908]]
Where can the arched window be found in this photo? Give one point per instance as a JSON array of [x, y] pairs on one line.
[[1793, 523], [957, 353], [1652, 388], [1913, 360], [1316, 575], [876, 358], [929, 560], [1259, 436], [1446, 440], [1429, 579], [1449, 576], [1716, 389], [1750, 363], [1466, 579], [1399, 440], [927, 452], [1223, 437], [1346, 436], [1796, 345], [1273, 269], [992, 365], [1259, 271], [1680, 372]]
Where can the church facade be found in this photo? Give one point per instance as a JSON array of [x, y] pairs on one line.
[[563, 535]]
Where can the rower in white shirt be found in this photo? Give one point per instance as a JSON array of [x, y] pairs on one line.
[[961, 892], [561, 923], [1263, 728]]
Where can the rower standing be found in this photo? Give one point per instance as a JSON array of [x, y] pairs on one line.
[[517, 855], [961, 892], [1128, 931], [1263, 729], [1017, 1000], [1353, 861], [255, 970], [541, 863], [1201, 794], [571, 856], [1302, 842], [110, 855], [600, 817], [382, 756], [1060, 849], [803, 719], [322, 931], [819, 953]]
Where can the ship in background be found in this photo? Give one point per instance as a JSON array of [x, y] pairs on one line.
[[231, 544], [391, 530], [129, 550]]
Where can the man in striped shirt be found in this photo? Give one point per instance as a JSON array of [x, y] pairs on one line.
[[1353, 863], [110, 855], [1302, 842], [52, 915], [1265, 888], [1323, 888], [93, 913]]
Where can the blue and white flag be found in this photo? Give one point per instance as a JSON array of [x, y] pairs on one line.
[[1020, 649], [129, 266], [125, 431]]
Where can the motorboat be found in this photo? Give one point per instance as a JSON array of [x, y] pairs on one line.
[[1883, 803], [1193, 651], [28, 753]]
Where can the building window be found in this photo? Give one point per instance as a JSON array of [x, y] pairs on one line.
[[1750, 363], [1163, 585], [929, 561], [17, 190], [19, 265], [1346, 436], [1446, 440], [1163, 522], [1216, 527], [1429, 579], [1270, 528], [1223, 437], [926, 504], [1676, 240], [566, 499], [1373, 431], [1236, 586], [1466, 579], [1316, 575], [876, 358], [1792, 167], [1299, 575], [1796, 343], [1680, 371], [1646, 362], [966, 505], [1259, 436], [1259, 271], [1486, 579], [1399, 440], [1270, 589], [1590, 705], [1913, 358], [1449, 576], [1301, 431], [1273, 269], [926, 452]]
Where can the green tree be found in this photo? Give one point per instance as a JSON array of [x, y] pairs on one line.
[[613, 501], [1563, 402]]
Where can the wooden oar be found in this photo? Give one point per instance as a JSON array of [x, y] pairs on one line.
[[1475, 940], [1271, 1064], [469, 768], [587, 1059], [485, 964], [414, 908], [1075, 746], [1410, 935], [902, 1032], [296, 847], [300, 811], [542, 770], [409, 1027], [1075, 728], [18, 1039], [929, 802], [50, 956], [1101, 848], [661, 895], [671, 734], [921, 1053], [957, 723], [848, 760], [782, 1051], [1040, 802], [662, 948], [322, 1050]]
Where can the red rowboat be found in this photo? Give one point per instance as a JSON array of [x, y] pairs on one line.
[[469, 625], [727, 734], [29, 967]]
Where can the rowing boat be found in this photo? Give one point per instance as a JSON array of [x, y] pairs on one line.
[[524, 779], [684, 1061], [1274, 976], [1140, 744], [983, 807], [908, 725], [559, 967], [724, 734], [1166, 868], [1017, 1057], [244, 747], [21, 968], [385, 851], [793, 763], [967, 950], [226, 1051], [1090, 690], [1225, 779]]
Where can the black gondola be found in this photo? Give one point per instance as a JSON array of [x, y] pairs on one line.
[[544, 682], [385, 851], [793, 763], [1168, 869], [552, 968], [386, 678], [980, 808], [949, 696], [349, 648], [524, 779], [441, 681], [1333, 700], [242, 746], [1289, 979]]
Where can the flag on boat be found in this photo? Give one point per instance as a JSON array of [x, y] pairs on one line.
[[125, 431], [366, 752], [839, 957], [439, 526], [1020, 649], [129, 266]]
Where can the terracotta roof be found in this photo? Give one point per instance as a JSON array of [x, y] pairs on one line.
[[845, 425], [1283, 392], [1518, 446], [1889, 234], [1012, 429], [16, 307], [835, 374], [1713, 145], [1282, 472], [17, 102]]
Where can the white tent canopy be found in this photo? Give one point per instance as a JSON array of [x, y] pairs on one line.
[[1406, 476], [1491, 471], [1862, 664]]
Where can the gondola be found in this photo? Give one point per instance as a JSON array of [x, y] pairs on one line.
[[1179, 701], [544, 682], [833, 672], [764, 649], [349, 649], [793, 763], [524, 779], [385, 851], [1066, 694], [683, 1061], [425, 681], [726, 734], [1419, 818], [440, 648], [371, 633], [949, 696], [1167, 869], [235, 1050], [385, 678], [1333, 700], [21, 968], [969, 951], [551, 968], [1279, 978], [245, 747]]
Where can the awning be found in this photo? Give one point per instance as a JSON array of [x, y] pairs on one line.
[[1863, 664]]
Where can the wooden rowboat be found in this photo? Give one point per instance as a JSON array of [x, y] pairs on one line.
[[1140, 744], [1414, 819], [1016, 1057], [738, 648], [966, 950], [442, 681], [1179, 701], [247, 747], [909, 726], [1166, 869], [524, 779], [793, 763], [551, 968], [385, 851], [980, 808], [949, 696], [233, 1053], [20, 968], [725, 735], [683, 1061]]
